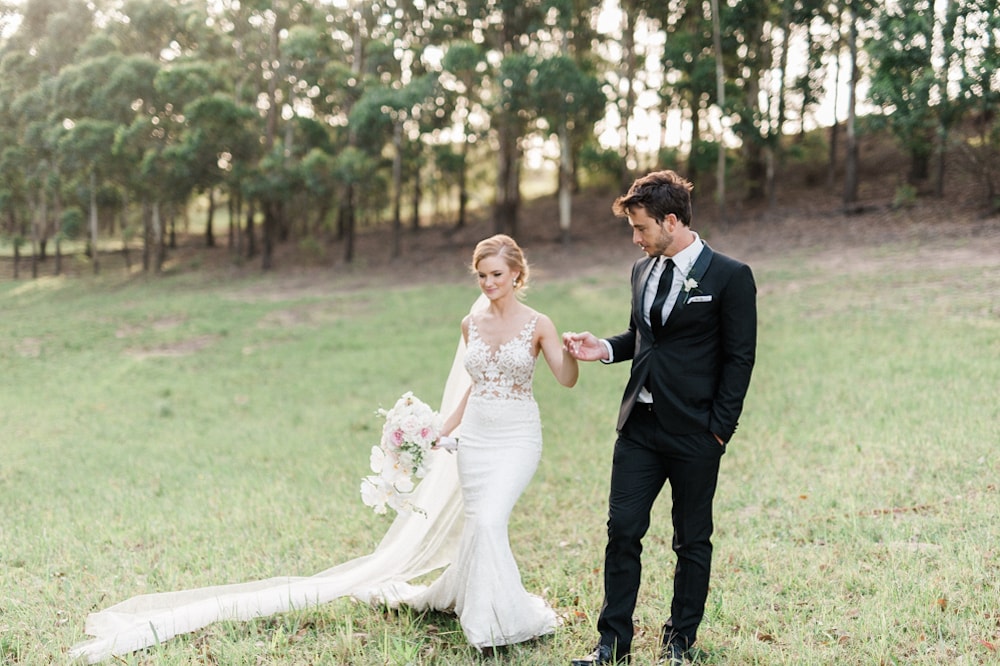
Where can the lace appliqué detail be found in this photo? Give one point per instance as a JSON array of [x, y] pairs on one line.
[[505, 372]]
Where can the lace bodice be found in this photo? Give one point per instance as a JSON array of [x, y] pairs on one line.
[[505, 372]]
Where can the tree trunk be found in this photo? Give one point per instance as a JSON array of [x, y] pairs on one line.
[[125, 232], [397, 187], [626, 104], [233, 215], [508, 181], [775, 156], [209, 231], [156, 224], [695, 143], [93, 223], [36, 223], [267, 251], [147, 236], [831, 170], [720, 91], [565, 184], [851, 158], [920, 165], [941, 153], [173, 224], [463, 193], [57, 216], [418, 195], [347, 222], [251, 233]]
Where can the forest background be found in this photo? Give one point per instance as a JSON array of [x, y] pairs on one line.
[[302, 123]]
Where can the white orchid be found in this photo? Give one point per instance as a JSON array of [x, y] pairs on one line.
[[411, 428]]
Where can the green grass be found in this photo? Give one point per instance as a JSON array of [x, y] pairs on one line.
[[162, 434]]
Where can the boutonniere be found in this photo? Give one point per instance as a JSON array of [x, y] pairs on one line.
[[690, 285]]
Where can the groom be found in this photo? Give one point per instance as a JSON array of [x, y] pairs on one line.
[[691, 339]]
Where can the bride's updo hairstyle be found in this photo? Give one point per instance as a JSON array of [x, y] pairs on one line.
[[505, 247]]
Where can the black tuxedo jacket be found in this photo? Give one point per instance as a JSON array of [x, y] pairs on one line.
[[698, 369]]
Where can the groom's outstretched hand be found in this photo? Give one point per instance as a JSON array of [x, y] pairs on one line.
[[585, 346]]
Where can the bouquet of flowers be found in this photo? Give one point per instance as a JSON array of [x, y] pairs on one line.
[[411, 428]]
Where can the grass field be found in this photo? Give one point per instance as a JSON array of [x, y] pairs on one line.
[[162, 434]]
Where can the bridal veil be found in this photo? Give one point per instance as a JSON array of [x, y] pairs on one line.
[[413, 545]]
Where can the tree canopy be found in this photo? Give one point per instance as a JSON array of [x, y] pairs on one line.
[[302, 115]]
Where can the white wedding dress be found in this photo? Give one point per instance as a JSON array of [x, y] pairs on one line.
[[498, 454], [483, 584]]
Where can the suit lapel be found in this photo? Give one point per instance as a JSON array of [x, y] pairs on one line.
[[696, 273]]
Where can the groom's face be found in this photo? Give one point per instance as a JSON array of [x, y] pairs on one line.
[[652, 236]]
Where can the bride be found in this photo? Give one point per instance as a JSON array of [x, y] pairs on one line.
[[467, 499]]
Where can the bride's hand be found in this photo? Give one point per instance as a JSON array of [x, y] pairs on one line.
[[447, 443]]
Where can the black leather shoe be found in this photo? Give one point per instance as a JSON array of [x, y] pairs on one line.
[[602, 655], [671, 654]]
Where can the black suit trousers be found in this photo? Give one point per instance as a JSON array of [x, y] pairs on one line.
[[645, 459]]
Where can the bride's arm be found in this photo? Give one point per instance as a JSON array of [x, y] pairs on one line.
[[455, 417], [563, 365]]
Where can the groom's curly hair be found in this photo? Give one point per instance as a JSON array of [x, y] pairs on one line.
[[659, 193]]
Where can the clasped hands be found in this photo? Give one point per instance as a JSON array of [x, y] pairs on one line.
[[584, 346]]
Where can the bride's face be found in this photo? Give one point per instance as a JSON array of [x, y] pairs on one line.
[[496, 278]]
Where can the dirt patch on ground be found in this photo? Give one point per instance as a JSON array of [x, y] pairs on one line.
[[173, 349]]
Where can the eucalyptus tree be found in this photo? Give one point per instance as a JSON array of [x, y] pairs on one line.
[[355, 32], [902, 79], [317, 168], [748, 22], [389, 115], [969, 30], [689, 82], [799, 45], [97, 94], [153, 138], [569, 94], [415, 33], [86, 157], [856, 11], [275, 50], [49, 36], [627, 78], [979, 147], [920, 58], [820, 36], [13, 189], [463, 67], [166, 31], [508, 31], [512, 113], [571, 101], [218, 134], [27, 167]]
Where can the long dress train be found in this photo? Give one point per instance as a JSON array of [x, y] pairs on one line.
[[413, 545]]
